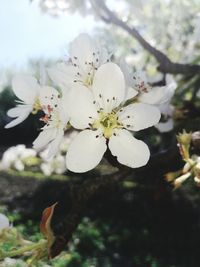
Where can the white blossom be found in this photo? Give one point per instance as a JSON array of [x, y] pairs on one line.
[[14, 157], [27, 90], [56, 119], [86, 56], [103, 120]]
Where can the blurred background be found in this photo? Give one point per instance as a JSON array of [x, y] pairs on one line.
[[141, 221]]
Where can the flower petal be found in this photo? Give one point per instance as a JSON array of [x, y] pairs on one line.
[[86, 151], [55, 144], [21, 112], [139, 116], [62, 75], [164, 127], [80, 105], [25, 88], [130, 91], [49, 96], [109, 86], [82, 49], [45, 137], [159, 95], [128, 150]]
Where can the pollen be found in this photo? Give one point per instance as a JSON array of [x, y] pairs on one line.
[[107, 122], [37, 106]]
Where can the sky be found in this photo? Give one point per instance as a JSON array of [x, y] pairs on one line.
[[27, 33]]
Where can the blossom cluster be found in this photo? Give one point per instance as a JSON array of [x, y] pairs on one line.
[[21, 158], [106, 102]]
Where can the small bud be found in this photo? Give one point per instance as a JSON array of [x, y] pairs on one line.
[[184, 141], [178, 181], [171, 176], [184, 138]]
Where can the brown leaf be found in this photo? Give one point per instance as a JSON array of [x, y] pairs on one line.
[[45, 224]]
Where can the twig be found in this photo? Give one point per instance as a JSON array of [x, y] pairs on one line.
[[165, 64]]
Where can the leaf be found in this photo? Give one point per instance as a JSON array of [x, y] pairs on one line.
[[45, 225]]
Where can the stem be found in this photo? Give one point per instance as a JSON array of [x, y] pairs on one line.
[[24, 249]]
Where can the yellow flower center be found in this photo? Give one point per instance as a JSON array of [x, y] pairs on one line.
[[37, 106], [107, 122], [88, 80]]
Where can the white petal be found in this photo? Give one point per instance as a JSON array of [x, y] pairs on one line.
[[166, 109], [62, 75], [109, 86], [21, 112], [4, 222], [25, 88], [49, 96], [44, 138], [128, 150], [139, 116], [55, 144], [80, 107], [130, 93], [86, 151], [165, 126], [158, 95], [82, 49]]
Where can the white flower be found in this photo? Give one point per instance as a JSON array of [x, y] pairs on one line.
[[137, 84], [99, 114], [4, 222], [158, 95], [27, 89], [167, 114], [15, 156], [86, 55], [131, 89], [56, 120], [55, 165]]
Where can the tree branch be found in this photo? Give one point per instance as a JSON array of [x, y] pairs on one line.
[[165, 64], [81, 194]]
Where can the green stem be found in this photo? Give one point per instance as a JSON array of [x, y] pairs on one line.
[[24, 249]]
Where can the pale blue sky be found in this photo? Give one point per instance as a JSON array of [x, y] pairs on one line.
[[27, 33]]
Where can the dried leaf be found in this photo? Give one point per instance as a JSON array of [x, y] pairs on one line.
[[45, 224]]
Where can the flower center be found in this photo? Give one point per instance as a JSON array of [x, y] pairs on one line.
[[36, 106], [107, 122], [88, 80]]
